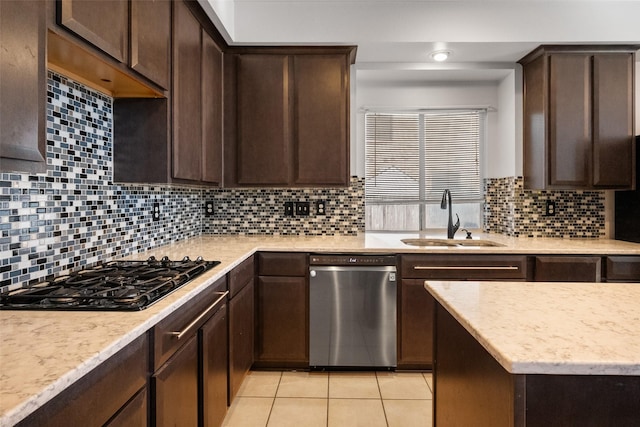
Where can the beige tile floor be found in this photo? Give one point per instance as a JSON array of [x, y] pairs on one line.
[[332, 399]]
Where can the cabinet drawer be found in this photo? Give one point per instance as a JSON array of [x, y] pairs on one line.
[[165, 341], [474, 267], [100, 394], [568, 269], [623, 269], [282, 264], [240, 276]]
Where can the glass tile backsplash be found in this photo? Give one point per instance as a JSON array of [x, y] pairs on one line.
[[514, 211], [74, 216]]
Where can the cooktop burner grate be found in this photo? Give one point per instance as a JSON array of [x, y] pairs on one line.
[[115, 285]]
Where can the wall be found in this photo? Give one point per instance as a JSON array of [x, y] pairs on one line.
[[74, 216]]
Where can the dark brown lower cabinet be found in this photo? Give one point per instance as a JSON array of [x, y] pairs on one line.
[[135, 412], [189, 383], [282, 311], [623, 268], [415, 346], [213, 341], [114, 394], [473, 389], [416, 305], [282, 327], [568, 269], [175, 387], [241, 333]]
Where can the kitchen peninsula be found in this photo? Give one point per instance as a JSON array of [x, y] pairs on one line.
[[45, 353], [536, 354]]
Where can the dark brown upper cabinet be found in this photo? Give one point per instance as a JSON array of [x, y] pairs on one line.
[[121, 47], [176, 140], [23, 88], [197, 100], [579, 117], [150, 40], [287, 116], [103, 23]]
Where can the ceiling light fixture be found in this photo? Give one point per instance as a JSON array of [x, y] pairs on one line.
[[440, 55]]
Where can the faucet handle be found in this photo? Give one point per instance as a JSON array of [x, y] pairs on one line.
[[456, 226]]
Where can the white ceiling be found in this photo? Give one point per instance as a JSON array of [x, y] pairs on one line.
[[485, 37]]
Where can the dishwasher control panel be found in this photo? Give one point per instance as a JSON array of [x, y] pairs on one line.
[[351, 259]]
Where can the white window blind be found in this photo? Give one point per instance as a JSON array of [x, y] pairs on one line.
[[415, 157]]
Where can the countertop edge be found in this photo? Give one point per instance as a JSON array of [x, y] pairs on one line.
[[530, 367]]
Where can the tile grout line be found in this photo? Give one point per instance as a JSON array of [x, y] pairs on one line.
[[384, 410], [273, 402]]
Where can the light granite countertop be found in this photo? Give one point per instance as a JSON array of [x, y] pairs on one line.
[[42, 353], [550, 328]]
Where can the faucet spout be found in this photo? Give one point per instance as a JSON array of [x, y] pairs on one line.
[[446, 204]]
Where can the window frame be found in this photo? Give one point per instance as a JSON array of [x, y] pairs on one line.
[[424, 201]]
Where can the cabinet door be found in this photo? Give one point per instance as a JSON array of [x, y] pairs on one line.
[[416, 326], [570, 120], [211, 110], [213, 338], [321, 119], [263, 120], [151, 39], [176, 388], [187, 120], [103, 23], [613, 139], [282, 319], [134, 413], [241, 335], [22, 86]]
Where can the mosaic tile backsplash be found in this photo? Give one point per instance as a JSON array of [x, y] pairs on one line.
[[514, 211], [261, 211], [74, 216]]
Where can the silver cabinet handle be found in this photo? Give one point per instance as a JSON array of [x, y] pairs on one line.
[[453, 267], [202, 315]]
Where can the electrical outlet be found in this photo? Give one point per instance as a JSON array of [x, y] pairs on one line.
[[321, 207], [302, 208], [550, 209], [156, 211], [288, 208], [209, 208]]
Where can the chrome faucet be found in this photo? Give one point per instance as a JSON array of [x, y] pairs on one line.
[[451, 227]]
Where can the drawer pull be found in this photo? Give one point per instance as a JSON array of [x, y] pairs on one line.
[[202, 315], [453, 267]]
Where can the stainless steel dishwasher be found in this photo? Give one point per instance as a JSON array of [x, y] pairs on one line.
[[352, 311]]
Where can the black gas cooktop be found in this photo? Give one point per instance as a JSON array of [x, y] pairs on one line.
[[115, 286]]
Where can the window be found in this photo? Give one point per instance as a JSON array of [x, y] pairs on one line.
[[411, 158]]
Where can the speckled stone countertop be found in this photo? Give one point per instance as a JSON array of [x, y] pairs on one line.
[[550, 328], [42, 353]]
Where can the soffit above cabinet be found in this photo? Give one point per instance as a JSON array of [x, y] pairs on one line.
[[67, 57]]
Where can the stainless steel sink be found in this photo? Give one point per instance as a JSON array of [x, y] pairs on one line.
[[451, 243]]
